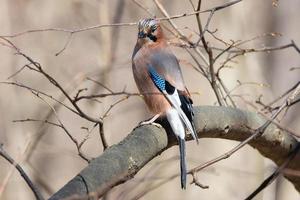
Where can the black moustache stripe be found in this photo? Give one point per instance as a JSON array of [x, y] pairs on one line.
[[152, 37]]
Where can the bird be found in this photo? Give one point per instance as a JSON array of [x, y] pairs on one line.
[[159, 79]]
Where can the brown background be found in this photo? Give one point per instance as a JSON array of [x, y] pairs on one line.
[[105, 55]]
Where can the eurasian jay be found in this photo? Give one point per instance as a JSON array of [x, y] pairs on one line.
[[159, 79]]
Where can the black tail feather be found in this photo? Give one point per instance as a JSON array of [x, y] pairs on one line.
[[182, 163]]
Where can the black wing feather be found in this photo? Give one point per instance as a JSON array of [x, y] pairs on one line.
[[187, 107]]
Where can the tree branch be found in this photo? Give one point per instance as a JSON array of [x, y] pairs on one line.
[[34, 189], [122, 161]]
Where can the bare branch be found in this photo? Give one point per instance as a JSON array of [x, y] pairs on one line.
[[63, 127], [143, 7], [35, 91], [65, 46], [197, 183], [275, 174], [34, 189], [257, 133], [216, 122], [102, 136], [73, 31]]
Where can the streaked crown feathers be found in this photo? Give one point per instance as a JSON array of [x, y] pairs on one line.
[[148, 24]]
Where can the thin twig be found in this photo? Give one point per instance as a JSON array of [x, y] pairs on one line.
[[226, 91], [35, 91], [275, 174], [209, 52], [107, 95], [42, 129], [65, 45], [101, 84], [38, 68], [37, 120], [102, 136], [283, 95], [258, 132], [73, 31], [113, 105], [213, 77], [143, 7], [197, 183], [33, 188], [17, 72], [63, 127]]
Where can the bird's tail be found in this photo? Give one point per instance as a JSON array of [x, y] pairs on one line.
[[178, 129], [182, 162]]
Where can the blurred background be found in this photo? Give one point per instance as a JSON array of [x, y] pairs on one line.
[[49, 156]]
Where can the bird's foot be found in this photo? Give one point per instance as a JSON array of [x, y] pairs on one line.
[[150, 123]]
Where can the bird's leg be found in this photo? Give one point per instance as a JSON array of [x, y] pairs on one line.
[[151, 121]]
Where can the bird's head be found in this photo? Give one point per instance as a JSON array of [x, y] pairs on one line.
[[149, 30]]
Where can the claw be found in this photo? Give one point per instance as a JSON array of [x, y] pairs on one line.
[[151, 123]]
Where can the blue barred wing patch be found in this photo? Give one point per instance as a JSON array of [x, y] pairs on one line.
[[157, 79]]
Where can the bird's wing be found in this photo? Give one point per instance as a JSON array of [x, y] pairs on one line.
[[166, 64], [171, 94], [187, 107]]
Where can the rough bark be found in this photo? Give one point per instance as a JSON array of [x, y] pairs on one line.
[[122, 161]]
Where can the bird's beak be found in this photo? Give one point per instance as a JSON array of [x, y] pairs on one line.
[[142, 34]]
